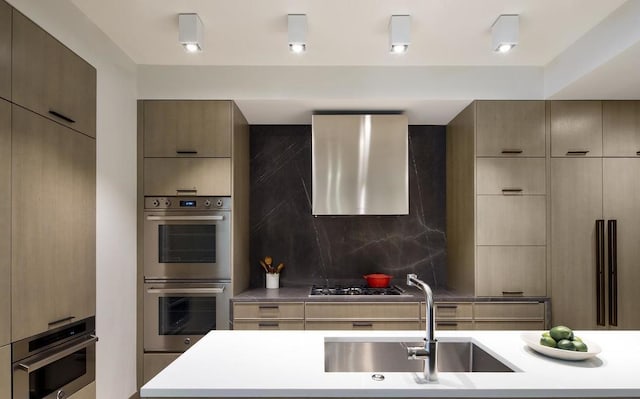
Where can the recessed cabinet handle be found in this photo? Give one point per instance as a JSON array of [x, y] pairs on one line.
[[182, 191], [53, 323], [61, 116], [186, 152], [578, 152], [362, 324], [511, 190], [446, 323], [269, 324], [264, 307], [637, 152], [512, 151], [512, 292], [447, 306]]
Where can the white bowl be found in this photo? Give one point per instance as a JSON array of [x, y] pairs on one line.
[[533, 341]]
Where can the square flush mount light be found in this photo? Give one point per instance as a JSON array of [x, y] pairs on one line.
[[399, 30], [190, 30], [504, 33], [297, 24]]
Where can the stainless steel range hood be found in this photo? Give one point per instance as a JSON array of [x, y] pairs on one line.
[[360, 165]]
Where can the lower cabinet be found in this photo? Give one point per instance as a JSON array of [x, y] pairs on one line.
[[5, 372], [362, 325], [268, 316], [268, 325], [362, 316], [88, 392], [509, 316], [153, 363], [449, 315]]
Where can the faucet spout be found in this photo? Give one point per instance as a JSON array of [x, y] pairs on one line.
[[428, 353]]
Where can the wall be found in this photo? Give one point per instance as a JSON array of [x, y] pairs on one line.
[[343, 248], [116, 189]]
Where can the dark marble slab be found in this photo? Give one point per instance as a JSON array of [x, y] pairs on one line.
[[336, 249]]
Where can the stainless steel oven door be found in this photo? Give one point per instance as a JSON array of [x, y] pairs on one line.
[[187, 245], [177, 315], [57, 372]]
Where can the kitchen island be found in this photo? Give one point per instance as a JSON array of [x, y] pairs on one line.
[[292, 364]]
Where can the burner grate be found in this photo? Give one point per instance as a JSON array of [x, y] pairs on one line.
[[353, 290]]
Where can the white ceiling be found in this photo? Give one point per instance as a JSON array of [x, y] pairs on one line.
[[354, 33]]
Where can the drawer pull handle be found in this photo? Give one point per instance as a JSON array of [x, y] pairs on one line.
[[265, 307], [362, 324], [186, 152], [637, 152], [53, 323], [182, 191], [61, 116], [511, 151], [581, 152], [447, 306], [512, 292], [511, 190], [269, 324], [446, 323]]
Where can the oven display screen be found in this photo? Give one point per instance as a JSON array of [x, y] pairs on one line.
[[188, 204]]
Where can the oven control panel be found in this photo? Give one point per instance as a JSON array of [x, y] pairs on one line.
[[188, 203]]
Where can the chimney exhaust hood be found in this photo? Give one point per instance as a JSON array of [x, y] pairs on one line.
[[360, 164]]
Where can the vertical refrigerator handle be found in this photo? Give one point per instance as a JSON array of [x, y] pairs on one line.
[[612, 261], [600, 306]]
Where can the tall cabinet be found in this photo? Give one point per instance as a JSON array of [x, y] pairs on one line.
[[595, 203], [5, 50], [5, 223]]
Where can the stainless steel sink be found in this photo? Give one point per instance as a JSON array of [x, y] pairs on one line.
[[459, 357]]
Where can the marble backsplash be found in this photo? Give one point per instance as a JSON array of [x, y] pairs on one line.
[[341, 249]]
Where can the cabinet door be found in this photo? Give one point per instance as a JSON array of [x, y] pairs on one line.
[[268, 324], [511, 220], [510, 176], [5, 222], [155, 363], [5, 50], [180, 176], [511, 271], [50, 79], [362, 325], [576, 128], [621, 128], [5, 372], [53, 222], [576, 204], [622, 203], [187, 128], [88, 392], [269, 310], [510, 128]]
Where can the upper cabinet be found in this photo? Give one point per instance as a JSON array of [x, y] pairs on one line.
[[576, 128], [5, 50], [187, 128], [621, 128], [50, 79], [5, 223], [510, 128]]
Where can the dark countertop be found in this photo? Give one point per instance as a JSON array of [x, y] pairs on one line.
[[301, 294]]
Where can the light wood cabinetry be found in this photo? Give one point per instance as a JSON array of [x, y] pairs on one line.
[[5, 50], [496, 199], [5, 222], [50, 79], [53, 243], [362, 315], [5, 372], [509, 316], [155, 363], [576, 128], [183, 176], [510, 128], [361, 325], [268, 324], [268, 316], [187, 128], [621, 128], [88, 392], [449, 315]]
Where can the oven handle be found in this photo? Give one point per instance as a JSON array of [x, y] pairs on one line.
[[216, 217], [217, 290], [38, 364]]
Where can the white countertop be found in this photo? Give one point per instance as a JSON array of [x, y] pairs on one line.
[[291, 364]]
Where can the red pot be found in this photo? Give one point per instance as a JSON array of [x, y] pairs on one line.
[[378, 280]]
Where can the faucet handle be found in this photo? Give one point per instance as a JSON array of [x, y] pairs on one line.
[[409, 277]]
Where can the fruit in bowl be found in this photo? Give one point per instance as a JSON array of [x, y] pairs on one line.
[[562, 337]]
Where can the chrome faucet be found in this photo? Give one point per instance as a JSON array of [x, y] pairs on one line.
[[428, 352]]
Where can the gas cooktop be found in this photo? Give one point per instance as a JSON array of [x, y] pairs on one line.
[[354, 290]]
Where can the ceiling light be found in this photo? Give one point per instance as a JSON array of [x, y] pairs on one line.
[[399, 29], [504, 33], [190, 30], [297, 24]]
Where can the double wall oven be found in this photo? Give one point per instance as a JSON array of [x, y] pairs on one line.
[[187, 270]]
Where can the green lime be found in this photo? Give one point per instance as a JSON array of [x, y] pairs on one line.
[[580, 346], [561, 332], [566, 345], [546, 334], [548, 341], [577, 339]]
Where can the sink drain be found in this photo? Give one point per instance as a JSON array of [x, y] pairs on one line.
[[377, 377]]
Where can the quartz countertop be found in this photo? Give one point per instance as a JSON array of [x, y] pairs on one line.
[[291, 364]]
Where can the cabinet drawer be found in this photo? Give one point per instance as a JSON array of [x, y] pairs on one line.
[[50, 79], [510, 128], [509, 311], [511, 220], [184, 176], [367, 311], [576, 127], [450, 325], [270, 310], [362, 325], [511, 176], [5, 50], [450, 310], [268, 325], [509, 271], [510, 325], [187, 128]]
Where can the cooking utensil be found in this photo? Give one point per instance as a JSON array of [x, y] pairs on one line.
[[378, 280]]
